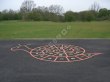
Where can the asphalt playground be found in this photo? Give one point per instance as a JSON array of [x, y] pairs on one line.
[[20, 66]]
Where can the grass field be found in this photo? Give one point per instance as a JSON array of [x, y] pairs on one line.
[[20, 29]]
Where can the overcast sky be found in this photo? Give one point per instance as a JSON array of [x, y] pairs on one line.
[[74, 5]]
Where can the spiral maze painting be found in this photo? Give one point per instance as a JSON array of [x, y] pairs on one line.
[[57, 53]]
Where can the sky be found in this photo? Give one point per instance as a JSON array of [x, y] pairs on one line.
[[74, 5]]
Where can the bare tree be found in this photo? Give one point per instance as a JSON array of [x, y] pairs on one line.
[[95, 7], [42, 8], [57, 9], [27, 6]]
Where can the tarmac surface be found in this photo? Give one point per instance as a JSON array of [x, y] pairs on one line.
[[19, 66]]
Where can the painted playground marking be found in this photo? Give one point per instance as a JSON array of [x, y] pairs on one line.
[[57, 53]]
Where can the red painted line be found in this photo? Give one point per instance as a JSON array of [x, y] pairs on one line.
[[60, 49]]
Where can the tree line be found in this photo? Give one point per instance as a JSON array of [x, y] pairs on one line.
[[29, 12]]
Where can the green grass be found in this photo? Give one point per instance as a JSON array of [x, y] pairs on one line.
[[20, 29]]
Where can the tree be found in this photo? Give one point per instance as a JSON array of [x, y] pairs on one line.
[[70, 16], [103, 14], [57, 9], [0, 16], [26, 7], [35, 15], [95, 7], [109, 12], [86, 16], [43, 9], [5, 14], [11, 15]]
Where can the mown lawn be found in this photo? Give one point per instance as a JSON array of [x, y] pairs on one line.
[[20, 29]]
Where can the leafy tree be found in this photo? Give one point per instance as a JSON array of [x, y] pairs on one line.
[[70, 16], [44, 13], [5, 14], [86, 16], [35, 15], [108, 14], [103, 14], [0, 16]]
